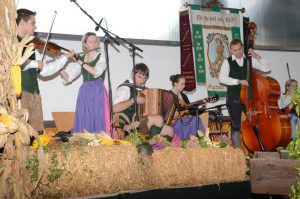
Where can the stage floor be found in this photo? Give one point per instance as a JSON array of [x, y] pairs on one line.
[[233, 190]]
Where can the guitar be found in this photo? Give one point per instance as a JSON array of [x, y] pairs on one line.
[[210, 99], [184, 108]]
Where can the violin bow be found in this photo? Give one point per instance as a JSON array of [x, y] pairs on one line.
[[43, 53], [288, 70]]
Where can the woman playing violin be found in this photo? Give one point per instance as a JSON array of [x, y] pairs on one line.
[[184, 123], [92, 107], [31, 99]]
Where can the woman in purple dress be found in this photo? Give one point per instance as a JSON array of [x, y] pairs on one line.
[[92, 106]]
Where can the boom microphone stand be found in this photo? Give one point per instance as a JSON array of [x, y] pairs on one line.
[[133, 49]]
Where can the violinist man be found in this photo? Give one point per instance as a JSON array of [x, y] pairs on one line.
[[233, 74], [31, 99]]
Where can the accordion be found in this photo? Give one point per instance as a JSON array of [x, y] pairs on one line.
[[158, 102]]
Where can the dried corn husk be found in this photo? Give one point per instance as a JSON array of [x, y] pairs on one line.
[[13, 176]]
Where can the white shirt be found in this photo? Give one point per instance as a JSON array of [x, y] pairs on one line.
[[262, 65], [51, 66], [284, 101], [74, 70], [122, 94]]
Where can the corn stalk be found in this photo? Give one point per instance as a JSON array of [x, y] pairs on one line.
[[15, 132]]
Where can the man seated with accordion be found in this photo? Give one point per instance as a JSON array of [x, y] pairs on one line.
[[124, 107]]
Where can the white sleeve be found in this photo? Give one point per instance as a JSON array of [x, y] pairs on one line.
[[224, 75], [284, 101], [262, 65], [100, 66], [73, 70], [54, 66], [122, 94], [30, 63]]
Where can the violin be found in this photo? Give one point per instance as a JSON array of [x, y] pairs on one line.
[[51, 47]]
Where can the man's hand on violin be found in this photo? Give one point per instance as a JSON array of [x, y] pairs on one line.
[[40, 65], [70, 54], [253, 54]]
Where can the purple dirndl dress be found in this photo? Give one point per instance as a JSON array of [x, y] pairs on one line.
[[92, 108], [186, 126]]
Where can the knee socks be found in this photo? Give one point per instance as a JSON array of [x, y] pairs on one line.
[[154, 130]]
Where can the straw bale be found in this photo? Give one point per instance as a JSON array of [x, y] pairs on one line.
[[115, 169], [178, 166], [99, 169]]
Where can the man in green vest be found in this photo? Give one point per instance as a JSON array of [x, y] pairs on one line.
[[234, 74], [31, 99], [124, 104]]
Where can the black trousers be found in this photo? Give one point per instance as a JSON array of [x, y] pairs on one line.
[[235, 108]]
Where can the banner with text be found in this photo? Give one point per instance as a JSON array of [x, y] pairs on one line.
[[212, 32]]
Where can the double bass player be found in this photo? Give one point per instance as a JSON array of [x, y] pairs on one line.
[[233, 74]]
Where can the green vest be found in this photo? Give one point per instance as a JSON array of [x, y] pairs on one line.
[[29, 81], [29, 77], [236, 72], [88, 76], [129, 112]]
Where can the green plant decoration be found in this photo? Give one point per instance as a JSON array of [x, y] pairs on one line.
[[293, 149]]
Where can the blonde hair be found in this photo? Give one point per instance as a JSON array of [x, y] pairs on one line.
[[85, 37], [288, 83]]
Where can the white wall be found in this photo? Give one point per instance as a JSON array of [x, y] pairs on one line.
[[163, 61]]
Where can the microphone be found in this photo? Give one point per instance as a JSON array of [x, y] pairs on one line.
[[98, 25]]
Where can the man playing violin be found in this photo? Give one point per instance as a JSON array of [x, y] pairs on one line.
[[30, 99], [233, 74], [123, 104]]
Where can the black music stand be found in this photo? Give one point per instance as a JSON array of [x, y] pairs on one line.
[[218, 116], [197, 110]]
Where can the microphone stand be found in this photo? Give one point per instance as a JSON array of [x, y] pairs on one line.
[[133, 49], [196, 109], [218, 117]]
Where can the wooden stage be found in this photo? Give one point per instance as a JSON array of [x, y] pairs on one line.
[[233, 190]]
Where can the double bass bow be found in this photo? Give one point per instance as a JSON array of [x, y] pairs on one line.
[[265, 127]]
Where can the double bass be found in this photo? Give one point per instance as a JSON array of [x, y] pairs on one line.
[[265, 127]]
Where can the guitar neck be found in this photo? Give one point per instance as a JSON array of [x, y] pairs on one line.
[[202, 101], [196, 103]]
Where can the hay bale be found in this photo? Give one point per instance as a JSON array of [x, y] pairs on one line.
[[195, 166], [117, 168]]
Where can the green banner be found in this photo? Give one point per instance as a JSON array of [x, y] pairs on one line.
[[212, 32]]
